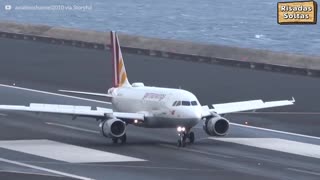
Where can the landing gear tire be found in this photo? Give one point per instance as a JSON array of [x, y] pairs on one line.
[[183, 143], [179, 143], [114, 140], [123, 139], [191, 137], [182, 140]]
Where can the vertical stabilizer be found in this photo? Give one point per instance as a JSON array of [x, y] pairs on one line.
[[120, 78]]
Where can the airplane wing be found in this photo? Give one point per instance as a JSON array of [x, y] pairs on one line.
[[86, 93], [75, 111], [233, 107]]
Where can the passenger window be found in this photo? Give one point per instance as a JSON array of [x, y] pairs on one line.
[[178, 103], [185, 103], [194, 103]]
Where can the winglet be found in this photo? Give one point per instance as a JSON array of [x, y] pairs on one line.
[[293, 100]]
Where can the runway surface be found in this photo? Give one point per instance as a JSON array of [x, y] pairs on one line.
[[246, 153]]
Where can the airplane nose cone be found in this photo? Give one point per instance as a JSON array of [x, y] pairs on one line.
[[194, 114]]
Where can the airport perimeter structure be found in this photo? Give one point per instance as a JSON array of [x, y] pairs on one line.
[[182, 50]]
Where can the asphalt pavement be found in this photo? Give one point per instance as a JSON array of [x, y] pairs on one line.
[[288, 147]]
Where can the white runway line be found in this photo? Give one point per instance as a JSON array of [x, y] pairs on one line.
[[195, 151], [304, 171], [44, 169], [165, 167], [73, 127], [277, 131], [64, 152], [276, 144], [55, 94], [30, 173]]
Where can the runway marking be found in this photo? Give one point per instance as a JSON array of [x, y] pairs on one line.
[[64, 152], [44, 169], [304, 171], [30, 173], [1, 114], [276, 144], [276, 131], [73, 127], [128, 166], [55, 94], [154, 167], [195, 151]]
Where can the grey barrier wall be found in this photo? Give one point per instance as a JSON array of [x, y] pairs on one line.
[[183, 50]]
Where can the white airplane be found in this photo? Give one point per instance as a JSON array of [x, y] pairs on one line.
[[150, 107]]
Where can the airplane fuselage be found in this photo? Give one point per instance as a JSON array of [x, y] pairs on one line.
[[163, 107]]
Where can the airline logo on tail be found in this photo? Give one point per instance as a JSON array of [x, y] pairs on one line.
[[120, 78]]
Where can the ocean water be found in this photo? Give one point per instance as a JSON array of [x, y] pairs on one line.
[[246, 23]]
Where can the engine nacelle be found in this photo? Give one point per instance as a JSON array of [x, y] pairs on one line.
[[113, 128], [216, 126]]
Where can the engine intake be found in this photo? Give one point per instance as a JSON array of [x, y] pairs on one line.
[[216, 126], [113, 128]]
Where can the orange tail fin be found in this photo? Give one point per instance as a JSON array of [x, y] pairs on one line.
[[120, 78]]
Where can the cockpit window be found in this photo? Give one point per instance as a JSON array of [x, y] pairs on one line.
[[185, 103], [175, 103]]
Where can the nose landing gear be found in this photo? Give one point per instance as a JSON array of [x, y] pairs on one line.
[[184, 135]]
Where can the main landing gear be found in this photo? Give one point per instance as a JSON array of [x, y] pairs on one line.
[[123, 139], [184, 134]]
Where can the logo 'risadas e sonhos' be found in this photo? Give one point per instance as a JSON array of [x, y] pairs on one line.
[[297, 12]]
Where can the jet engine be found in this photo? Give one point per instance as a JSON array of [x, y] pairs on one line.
[[216, 126], [113, 128]]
